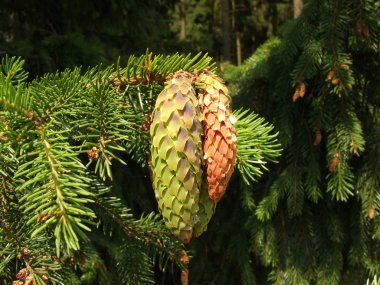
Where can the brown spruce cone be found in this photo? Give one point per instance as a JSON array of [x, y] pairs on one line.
[[219, 145]]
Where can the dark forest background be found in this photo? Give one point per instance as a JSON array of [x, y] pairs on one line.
[[54, 35]]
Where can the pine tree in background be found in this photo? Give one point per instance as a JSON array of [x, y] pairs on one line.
[[316, 216], [74, 152]]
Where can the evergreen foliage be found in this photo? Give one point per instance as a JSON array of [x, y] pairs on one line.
[[76, 202], [316, 217], [374, 281]]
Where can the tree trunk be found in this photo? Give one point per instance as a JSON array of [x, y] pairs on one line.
[[274, 20], [182, 20], [226, 30], [236, 33], [297, 7], [238, 48]]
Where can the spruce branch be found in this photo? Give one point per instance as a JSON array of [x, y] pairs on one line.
[[12, 68], [56, 190], [150, 68], [268, 205], [317, 222], [369, 175], [308, 63], [256, 146], [344, 140], [373, 281], [92, 266], [17, 99], [148, 230], [134, 264], [57, 93], [104, 122]]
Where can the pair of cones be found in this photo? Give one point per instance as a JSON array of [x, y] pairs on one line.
[[193, 150]]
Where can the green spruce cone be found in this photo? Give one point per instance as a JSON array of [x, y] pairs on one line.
[[206, 210], [176, 135]]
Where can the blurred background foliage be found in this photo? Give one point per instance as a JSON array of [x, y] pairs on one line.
[[53, 35]]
